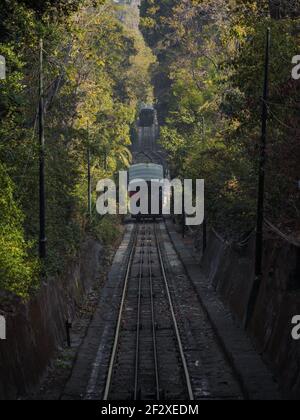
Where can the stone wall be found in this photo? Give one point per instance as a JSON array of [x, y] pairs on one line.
[[37, 328], [230, 267]]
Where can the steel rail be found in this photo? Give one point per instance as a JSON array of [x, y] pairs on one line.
[[118, 328], [176, 328], [154, 338], [138, 323]]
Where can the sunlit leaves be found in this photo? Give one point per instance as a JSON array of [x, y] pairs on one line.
[[18, 272], [209, 85], [95, 74]]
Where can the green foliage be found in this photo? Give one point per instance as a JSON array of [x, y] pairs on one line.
[[92, 66], [18, 272], [208, 84], [107, 229]]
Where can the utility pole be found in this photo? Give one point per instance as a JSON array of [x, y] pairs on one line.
[[105, 158], [262, 165], [89, 178], [183, 221], [261, 190], [204, 243], [204, 231], [203, 128], [42, 196]]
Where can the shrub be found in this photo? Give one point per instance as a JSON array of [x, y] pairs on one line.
[[18, 271]]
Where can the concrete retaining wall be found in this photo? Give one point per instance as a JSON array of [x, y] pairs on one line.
[[230, 268], [37, 328]]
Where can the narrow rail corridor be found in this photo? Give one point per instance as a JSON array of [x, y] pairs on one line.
[[149, 203], [161, 346], [148, 356], [151, 338]]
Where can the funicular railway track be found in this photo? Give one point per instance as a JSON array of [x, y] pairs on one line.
[[165, 347], [143, 157], [157, 340], [147, 360]]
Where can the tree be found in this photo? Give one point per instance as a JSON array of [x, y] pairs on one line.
[[211, 53], [90, 103]]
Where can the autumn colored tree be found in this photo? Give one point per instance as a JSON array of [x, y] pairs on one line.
[[209, 84], [92, 62]]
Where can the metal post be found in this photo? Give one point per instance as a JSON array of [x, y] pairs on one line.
[[42, 198], [183, 215], [261, 192], [183, 225], [172, 206], [262, 165], [204, 236], [68, 332], [89, 180], [105, 158]]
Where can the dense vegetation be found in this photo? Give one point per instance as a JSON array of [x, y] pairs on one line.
[[208, 81], [209, 84], [93, 69]]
